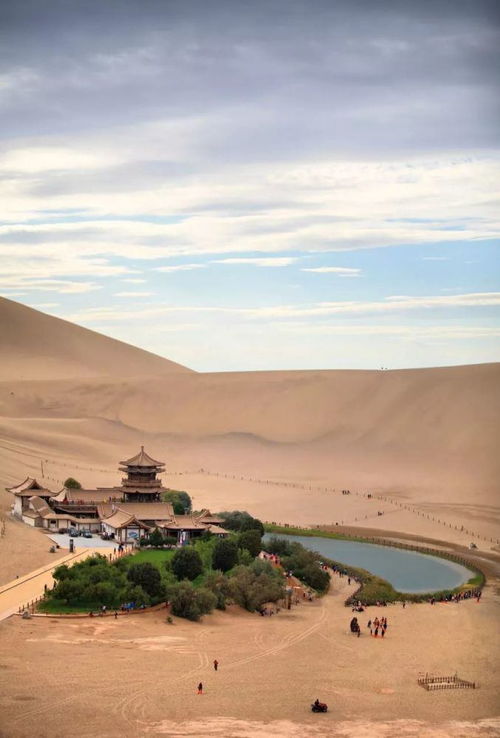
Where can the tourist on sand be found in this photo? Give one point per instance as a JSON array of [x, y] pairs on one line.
[[200, 688], [216, 664], [376, 631]]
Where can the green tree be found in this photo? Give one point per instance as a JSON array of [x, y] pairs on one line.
[[69, 590], [71, 483], [239, 521], [148, 577], [179, 499], [251, 590], [250, 540], [218, 584], [186, 563], [225, 554], [104, 593], [155, 538], [62, 572], [188, 602], [315, 577], [137, 595]]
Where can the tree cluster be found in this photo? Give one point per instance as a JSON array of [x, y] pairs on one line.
[[240, 521], [302, 563], [180, 500], [95, 582]]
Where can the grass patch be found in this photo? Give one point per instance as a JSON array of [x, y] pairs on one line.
[[58, 607], [153, 556]]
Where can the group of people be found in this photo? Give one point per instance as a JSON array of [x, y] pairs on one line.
[[458, 596], [200, 685], [377, 626]]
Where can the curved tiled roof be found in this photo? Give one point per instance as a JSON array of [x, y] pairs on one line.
[[25, 488], [142, 459]]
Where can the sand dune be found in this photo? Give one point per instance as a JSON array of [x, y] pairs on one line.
[[82, 401], [34, 345]]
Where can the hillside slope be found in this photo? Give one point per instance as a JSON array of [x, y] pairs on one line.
[[34, 345]]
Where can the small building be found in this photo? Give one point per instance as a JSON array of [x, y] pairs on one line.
[[22, 493]]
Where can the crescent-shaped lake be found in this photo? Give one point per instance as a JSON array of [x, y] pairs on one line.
[[407, 571]]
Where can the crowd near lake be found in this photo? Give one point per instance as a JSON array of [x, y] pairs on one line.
[[407, 571]]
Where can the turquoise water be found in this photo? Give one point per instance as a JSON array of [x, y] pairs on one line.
[[407, 571]]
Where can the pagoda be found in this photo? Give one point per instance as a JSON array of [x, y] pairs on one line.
[[141, 483]]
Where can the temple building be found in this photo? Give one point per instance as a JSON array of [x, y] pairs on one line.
[[126, 512]]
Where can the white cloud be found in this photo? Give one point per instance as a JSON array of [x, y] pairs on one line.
[[179, 268], [273, 261], [44, 159], [322, 309], [133, 294], [435, 258], [340, 271], [48, 285], [134, 281], [407, 331]]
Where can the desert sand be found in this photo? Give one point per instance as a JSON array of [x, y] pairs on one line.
[[281, 445], [138, 675]]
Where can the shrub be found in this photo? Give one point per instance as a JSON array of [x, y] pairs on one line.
[[278, 546], [188, 602], [63, 572], [137, 595], [103, 592], [69, 590], [180, 500], [225, 554], [250, 540], [245, 558], [186, 563], [239, 521], [148, 577], [155, 538], [71, 483], [251, 590], [315, 577], [218, 584]]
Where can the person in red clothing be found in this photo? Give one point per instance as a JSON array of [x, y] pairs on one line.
[[200, 688], [216, 664]]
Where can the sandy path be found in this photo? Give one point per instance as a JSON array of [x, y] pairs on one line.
[[20, 592]]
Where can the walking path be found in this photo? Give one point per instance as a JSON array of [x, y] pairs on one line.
[[19, 592]]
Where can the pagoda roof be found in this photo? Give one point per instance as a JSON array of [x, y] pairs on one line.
[[88, 496], [29, 488], [139, 510], [25, 488], [121, 519], [142, 459]]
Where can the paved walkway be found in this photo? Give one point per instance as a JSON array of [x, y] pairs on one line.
[[19, 592]]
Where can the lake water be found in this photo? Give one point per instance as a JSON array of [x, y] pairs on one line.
[[407, 571]]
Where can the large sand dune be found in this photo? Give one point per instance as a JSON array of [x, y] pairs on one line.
[[81, 401], [34, 345]]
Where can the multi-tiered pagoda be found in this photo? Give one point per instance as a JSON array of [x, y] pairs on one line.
[[141, 483]]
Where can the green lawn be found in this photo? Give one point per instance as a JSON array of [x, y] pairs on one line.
[[156, 557]]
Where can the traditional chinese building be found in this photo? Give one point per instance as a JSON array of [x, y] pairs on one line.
[[127, 512]]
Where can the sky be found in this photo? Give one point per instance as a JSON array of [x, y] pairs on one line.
[[299, 184]]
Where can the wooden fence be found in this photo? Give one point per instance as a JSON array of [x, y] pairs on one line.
[[432, 683]]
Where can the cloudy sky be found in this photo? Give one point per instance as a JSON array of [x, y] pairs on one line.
[[256, 185]]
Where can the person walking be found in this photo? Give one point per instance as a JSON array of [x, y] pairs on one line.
[[200, 688], [216, 664]]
